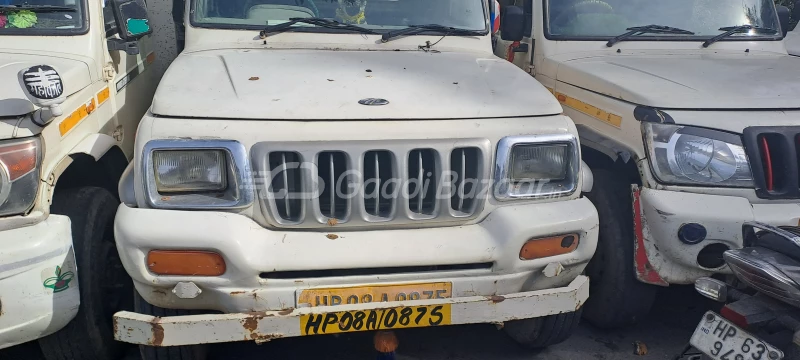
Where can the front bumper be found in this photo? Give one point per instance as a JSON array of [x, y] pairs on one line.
[[264, 326], [29, 258], [321, 259], [664, 212]]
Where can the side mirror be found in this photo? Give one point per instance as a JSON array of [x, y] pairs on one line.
[[783, 17], [44, 88], [131, 18], [512, 23]]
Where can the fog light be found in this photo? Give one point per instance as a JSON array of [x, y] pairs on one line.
[[692, 233], [547, 247], [185, 263], [712, 288]]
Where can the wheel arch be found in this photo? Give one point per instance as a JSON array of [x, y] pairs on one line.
[[96, 161]]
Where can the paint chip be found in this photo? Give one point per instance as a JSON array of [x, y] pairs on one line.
[[254, 78], [332, 236]]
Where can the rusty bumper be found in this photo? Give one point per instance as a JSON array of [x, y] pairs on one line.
[[265, 326]]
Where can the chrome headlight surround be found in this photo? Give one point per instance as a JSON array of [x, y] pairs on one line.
[[238, 193], [506, 189], [694, 156]]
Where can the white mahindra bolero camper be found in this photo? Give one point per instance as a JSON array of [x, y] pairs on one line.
[[689, 118], [316, 167]]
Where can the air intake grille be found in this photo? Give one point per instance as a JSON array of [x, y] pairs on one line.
[[286, 184], [373, 183], [333, 199], [378, 187], [465, 164], [773, 153], [422, 182]]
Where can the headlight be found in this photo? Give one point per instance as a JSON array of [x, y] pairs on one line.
[[189, 170], [683, 155], [536, 166], [19, 175], [196, 174]]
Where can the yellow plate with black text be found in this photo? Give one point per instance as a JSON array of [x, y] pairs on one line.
[[375, 293], [378, 319]]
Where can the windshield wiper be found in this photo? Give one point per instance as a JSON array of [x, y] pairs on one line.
[[324, 23], [37, 8], [647, 29], [730, 30], [416, 29]]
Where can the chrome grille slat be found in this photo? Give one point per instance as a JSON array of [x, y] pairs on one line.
[[388, 165], [463, 175]]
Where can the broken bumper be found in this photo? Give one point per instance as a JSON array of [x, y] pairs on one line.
[[264, 326], [663, 213], [36, 299]]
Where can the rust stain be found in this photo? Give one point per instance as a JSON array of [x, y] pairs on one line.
[[286, 311], [254, 78], [639, 348], [158, 331], [251, 323], [496, 298], [332, 222], [262, 338], [332, 236], [237, 292]]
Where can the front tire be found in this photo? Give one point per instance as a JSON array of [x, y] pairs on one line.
[[616, 297], [537, 333], [104, 285], [189, 352]]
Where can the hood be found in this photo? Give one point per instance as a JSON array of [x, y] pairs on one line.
[[691, 81], [328, 85], [75, 76]]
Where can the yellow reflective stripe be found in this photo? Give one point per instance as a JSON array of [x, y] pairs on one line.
[[76, 117], [103, 95], [595, 112]]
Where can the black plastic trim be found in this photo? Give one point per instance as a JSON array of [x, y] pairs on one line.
[[652, 115], [790, 173]]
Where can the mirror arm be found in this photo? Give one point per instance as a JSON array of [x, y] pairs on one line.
[[129, 47], [45, 115]]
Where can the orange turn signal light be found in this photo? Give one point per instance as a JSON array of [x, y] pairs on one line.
[[549, 246], [185, 263]]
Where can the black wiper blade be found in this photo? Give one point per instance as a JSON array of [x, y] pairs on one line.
[[325, 23], [38, 8], [416, 29], [647, 29], [730, 30]]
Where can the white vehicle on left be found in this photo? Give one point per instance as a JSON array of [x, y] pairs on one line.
[[75, 84]]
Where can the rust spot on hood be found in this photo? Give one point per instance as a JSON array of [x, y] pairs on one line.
[[496, 298], [237, 292], [332, 236], [158, 331], [333, 222]]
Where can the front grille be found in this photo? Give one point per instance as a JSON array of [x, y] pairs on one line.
[[773, 153], [422, 182], [366, 183]]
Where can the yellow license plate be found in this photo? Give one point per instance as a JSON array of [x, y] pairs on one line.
[[378, 319], [375, 293]]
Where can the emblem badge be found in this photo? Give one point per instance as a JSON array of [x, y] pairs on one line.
[[373, 102], [43, 82]]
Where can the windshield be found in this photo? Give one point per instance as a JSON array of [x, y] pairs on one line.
[[42, 17], [376, 15], [603, 19]]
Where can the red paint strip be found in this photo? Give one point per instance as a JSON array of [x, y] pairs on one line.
[[767, 164], [510, 52], [644, 270]]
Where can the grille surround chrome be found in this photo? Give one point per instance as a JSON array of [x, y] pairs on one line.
[[355, 151]]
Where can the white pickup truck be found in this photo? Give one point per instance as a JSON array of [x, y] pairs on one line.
[[319, 167], [75, 83], [689, 118]]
